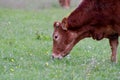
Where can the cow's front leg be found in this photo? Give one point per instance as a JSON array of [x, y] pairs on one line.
[[114, 44]]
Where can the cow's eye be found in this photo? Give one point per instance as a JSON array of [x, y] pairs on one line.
[[56, 37]]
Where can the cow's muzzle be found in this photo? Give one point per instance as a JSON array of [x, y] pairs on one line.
[[58, 56]]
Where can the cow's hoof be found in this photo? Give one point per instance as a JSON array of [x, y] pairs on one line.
[[113, 59]]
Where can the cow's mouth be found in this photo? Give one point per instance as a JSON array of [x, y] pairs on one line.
[[65, 54], [59, 56]]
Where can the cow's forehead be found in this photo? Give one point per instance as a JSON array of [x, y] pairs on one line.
[[61, 33], [56, 33], [58, 30]]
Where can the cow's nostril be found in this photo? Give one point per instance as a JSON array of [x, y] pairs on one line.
[[59, 58], [52, 57]]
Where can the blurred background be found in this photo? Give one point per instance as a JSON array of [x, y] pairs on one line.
[[26, 28], [33, 4]]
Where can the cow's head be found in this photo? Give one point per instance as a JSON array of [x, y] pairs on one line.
[[64, 39]]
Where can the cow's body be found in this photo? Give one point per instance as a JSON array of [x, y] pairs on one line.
[[93, 18]]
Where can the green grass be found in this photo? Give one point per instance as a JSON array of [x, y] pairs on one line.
[[26, 47]]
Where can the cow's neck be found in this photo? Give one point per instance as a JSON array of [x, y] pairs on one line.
[[81, 33]]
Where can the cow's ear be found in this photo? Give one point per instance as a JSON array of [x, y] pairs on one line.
[[56, 24], [64, 24]]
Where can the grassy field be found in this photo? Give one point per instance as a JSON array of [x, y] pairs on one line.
[[26, 46]]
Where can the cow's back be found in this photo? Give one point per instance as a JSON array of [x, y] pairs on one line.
[[105, 12]]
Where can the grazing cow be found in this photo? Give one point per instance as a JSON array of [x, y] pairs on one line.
[[92, 18], [65, 3]]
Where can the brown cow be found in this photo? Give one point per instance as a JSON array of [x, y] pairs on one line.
[[92, 18], [65, 3]]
